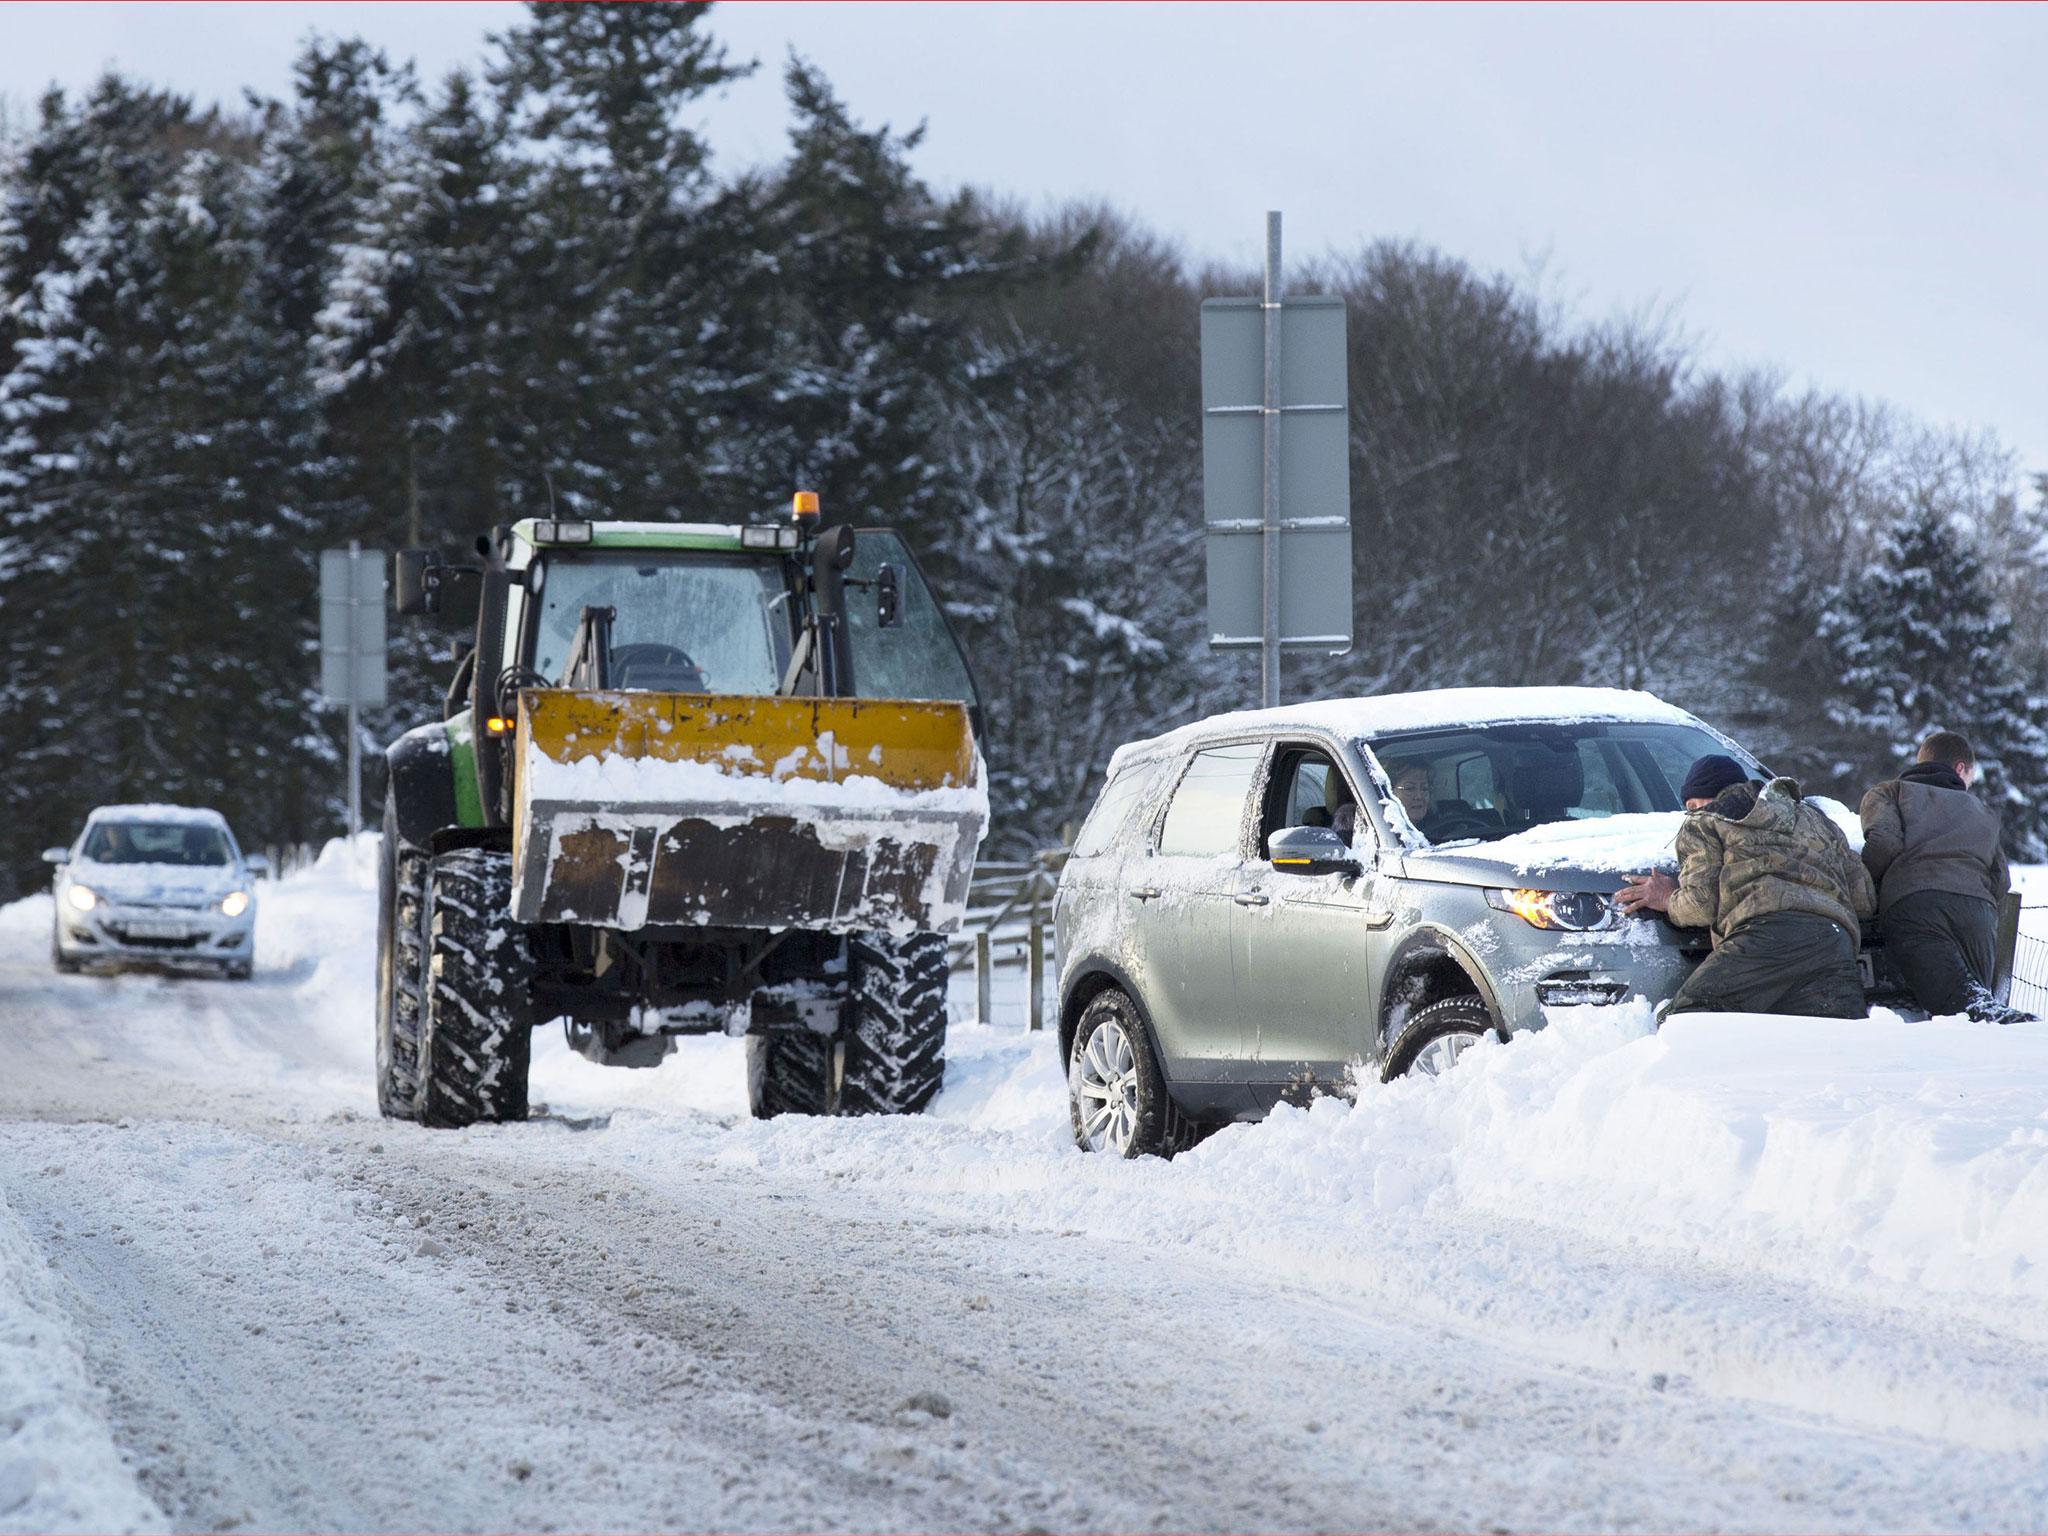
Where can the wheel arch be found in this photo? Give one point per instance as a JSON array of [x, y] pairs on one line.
[[421, 784], [1096, 978], [1431, 965]]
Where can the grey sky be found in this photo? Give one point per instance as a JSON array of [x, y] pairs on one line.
[[1853, 195]]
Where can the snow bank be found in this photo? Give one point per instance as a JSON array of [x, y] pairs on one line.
[[613, 779], [59, 1469]]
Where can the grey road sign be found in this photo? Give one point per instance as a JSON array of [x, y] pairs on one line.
[[352, 626], [1277, 504], [352, 648]]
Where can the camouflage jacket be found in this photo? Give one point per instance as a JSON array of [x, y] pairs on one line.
[[1748, 855]]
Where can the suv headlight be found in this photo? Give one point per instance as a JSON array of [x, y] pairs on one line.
[[81, 897], [235, 903], [1573, 911]]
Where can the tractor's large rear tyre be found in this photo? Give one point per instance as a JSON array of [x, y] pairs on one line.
[[896, 1024], [401, 971], [475, 1043], [889, 1056]]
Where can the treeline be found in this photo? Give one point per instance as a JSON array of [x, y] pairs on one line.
[[401, 311]]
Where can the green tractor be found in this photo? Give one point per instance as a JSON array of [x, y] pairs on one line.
[[688, 778]]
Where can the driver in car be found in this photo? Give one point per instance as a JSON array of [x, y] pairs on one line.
[[1411, 788]]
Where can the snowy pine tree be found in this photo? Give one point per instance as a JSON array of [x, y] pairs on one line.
[[1919, 646]]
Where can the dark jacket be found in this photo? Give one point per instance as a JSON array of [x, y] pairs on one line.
[[1751, 854], [1924, 832]]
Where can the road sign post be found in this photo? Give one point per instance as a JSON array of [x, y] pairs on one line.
[[1276, 463], [352, 649]]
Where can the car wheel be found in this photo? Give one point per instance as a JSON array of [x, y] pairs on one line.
[[1431, 1042], [1115, 1094]]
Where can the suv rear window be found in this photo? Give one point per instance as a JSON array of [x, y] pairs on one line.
[[1114, 807], [1207, 814]]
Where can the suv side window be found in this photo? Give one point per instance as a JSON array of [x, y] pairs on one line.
[[1207, 813], [1119, 801], [1307, 789]]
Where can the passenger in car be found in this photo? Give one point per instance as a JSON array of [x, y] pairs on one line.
[[1775, 883]]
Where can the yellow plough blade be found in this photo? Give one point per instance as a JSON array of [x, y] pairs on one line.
[[637, 810], [907, 744]]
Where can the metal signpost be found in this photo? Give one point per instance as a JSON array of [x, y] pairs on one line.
[[1276, 473], [352, 647]]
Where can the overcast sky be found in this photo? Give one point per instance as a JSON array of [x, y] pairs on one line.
[[1856, 196]]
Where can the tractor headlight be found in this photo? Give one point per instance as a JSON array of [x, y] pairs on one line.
[[82, 898], [1572, 911], [235, 903]]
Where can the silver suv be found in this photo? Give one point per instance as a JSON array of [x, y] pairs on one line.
[[1262, 905]]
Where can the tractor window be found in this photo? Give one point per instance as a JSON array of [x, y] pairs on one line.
[[687, 622], [916, 658]]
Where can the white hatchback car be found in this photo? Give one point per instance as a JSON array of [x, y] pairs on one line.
[[163, 884]]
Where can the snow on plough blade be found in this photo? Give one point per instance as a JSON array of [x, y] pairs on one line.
[[635, 810]]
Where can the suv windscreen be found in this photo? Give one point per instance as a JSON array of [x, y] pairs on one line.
[[685, 622], [1485, 782], [188, 844]]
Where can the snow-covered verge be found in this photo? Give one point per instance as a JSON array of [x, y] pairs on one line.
[[59, 1468]]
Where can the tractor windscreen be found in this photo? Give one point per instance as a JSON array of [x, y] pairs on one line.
[[917, 656], [686, 621]]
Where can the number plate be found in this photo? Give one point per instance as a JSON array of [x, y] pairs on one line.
[[157, 930]]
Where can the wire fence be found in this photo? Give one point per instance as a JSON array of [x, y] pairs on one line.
[[2030, 963]]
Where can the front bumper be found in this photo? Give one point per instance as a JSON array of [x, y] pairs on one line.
[[1535, 969], [160, 935]]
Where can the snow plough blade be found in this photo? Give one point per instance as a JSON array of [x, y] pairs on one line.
[[635, 810]]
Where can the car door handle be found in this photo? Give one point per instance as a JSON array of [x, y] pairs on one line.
[[1251, 899], [1142, 892]]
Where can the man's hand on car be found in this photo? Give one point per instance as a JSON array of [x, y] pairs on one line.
[[1645, 893]]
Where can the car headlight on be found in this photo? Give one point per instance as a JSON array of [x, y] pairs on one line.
[[1572, 911], [235, 903], [82, 898]]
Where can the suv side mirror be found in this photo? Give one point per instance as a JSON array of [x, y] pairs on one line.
[[56, 855], [888, 597], [1312, 851]]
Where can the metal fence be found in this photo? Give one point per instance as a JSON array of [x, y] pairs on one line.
[[2030, 964], [1006, 940]]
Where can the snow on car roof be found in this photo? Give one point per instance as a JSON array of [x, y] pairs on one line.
[[196, 815], [1432, 709]]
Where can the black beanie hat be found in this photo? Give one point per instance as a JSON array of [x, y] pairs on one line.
[[1709, 776]]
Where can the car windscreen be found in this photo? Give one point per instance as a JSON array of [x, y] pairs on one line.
[[1486, 782], [191, 844], [684, 621]]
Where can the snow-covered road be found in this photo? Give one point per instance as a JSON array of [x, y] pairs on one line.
[[1750, 1275]]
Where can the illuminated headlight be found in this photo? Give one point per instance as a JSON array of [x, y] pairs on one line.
[[83, 899], [235, 903], [1573, 911], [554, 531]]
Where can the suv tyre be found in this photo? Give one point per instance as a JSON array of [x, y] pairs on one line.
[[1116, 1096], [1431, 1042]]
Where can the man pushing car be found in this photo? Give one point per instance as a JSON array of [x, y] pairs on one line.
[[1777, 886]]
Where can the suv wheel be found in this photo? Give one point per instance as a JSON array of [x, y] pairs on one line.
[[1431, 1042], [1115, 1094]]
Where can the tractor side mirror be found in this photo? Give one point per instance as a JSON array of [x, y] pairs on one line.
[[888, 597], [1311, 851], [416, 582], [424, 584]]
